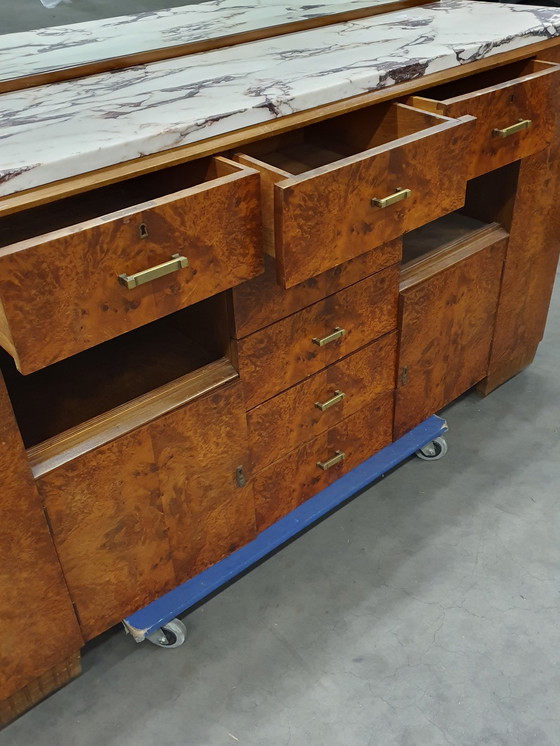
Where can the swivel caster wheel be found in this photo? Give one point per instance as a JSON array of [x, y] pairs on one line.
[[171, 635], [434, 450]]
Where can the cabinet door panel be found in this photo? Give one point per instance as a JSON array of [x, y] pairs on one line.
[[447, 323], [136, 517]]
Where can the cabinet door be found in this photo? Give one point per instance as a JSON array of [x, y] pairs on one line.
[[141, 514], [447, 313]]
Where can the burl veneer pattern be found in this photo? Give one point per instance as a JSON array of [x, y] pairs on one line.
[[34, 595]]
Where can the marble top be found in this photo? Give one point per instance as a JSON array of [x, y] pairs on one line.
[[64, 129], [59, 47]]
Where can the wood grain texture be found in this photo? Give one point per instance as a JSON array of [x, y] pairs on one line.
[[295, 478], [531, 93], [33, 594], [60, 291], [262, 301], [39, 688], [197, 450], [447, 322], [134, 518], [279, 356], [325, 217], [283, 423], [234, 140], [530, 268], [121, 420], [107, 519]]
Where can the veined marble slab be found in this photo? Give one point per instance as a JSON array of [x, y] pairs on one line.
[[59, 47], [56, 131]]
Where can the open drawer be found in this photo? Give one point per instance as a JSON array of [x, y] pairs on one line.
[[86, 269], [515, 107], [344, 186]]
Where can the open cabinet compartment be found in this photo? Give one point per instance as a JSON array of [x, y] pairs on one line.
[[344, 186], [95, 396]]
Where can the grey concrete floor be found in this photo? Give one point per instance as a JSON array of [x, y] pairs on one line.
[[425, 612]]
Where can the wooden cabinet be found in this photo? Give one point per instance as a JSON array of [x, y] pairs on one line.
[[74, 285], [515, 108], [140, 514], [201, 349], [297, 415], [279, 356], [447, 307], [340, 188], [287, 483]]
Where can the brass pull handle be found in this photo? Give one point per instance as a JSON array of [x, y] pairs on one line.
[[336, 459], [398, 196], [147, 275], [523, 124], [337, 333], [338, 396]]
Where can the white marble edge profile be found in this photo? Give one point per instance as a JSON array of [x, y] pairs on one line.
[[59, 47], [65, 129]]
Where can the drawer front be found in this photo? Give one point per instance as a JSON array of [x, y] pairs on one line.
[[303, 412], [275, 358], [447, 325], [513, 119], [61, 294], [295, 478], [261, 301], [327, 216], [136, 517]]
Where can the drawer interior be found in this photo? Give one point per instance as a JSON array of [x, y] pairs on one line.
[[326, 142], [106, 200], [486, 79], [73, 391]]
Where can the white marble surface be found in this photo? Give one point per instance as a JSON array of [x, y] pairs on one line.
[[56, 131], [59, 47]]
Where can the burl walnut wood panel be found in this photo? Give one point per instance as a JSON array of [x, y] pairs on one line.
[[60, 292], [284, 353], [530, 268], [107, 519], [533, 96], [197, 450], [261, 301], [281, 424], [326, 217], [139, 515], [290, 481], [38, 627], [447, 323], [39, 688]]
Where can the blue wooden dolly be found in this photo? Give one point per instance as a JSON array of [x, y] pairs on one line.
[[157, 621]]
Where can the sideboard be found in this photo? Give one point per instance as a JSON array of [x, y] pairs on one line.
[[197, 340]]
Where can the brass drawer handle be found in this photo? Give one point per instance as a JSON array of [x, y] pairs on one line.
[[147, 275], [337, 333], [338, 396], [336, 459], [523, 124], [398, 196]]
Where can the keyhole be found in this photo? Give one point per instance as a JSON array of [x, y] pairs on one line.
[[143, 230], [512, 98]]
